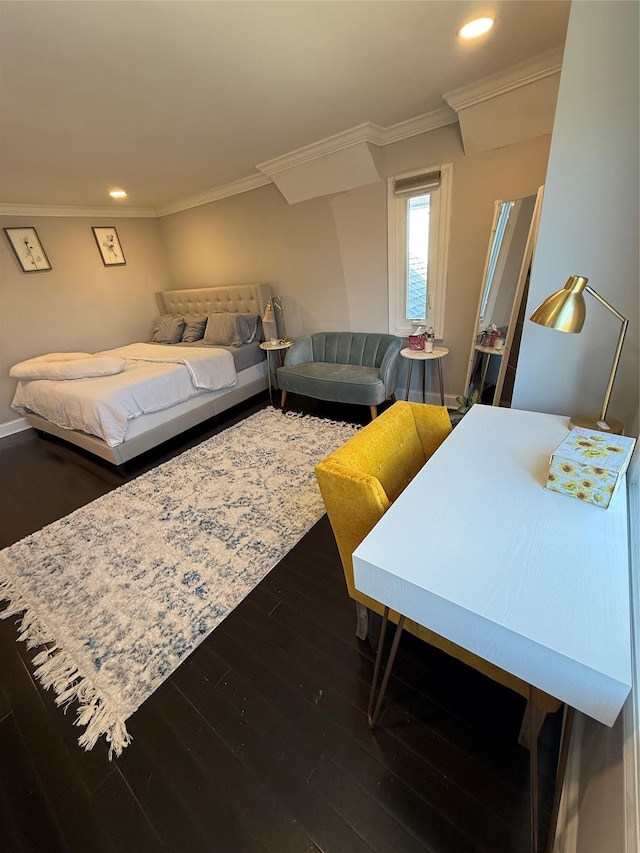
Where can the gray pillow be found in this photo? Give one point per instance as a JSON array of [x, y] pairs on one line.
[[247, 327], [194, 329], [168, 329], [220, 330], [226, 329]]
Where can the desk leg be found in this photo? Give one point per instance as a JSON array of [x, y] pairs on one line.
[[533, 767], [565, 741], [373, 715], [406, 394], [424, 382]]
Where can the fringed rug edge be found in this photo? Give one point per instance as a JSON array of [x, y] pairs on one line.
[[56, 669]]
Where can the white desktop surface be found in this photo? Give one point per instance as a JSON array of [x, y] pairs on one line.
[[479, 551]]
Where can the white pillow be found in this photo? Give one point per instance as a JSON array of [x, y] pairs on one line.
[[77, 368], [59, 356]]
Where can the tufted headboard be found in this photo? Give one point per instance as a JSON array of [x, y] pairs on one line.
[[237, 298]]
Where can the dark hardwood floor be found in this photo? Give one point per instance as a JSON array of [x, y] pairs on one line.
[[259, 741]]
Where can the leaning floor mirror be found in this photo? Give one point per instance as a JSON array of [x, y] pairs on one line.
[[496, 333]]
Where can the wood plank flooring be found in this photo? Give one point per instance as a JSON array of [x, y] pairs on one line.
[[259, 741]]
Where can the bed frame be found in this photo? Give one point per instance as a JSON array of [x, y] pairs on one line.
[[150, 430]]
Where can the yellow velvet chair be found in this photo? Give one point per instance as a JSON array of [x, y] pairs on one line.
[[360, 481]]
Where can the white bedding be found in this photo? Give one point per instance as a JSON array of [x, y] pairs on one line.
[[154, 378], [83, 367]]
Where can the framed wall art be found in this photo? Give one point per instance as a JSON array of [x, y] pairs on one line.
[[28, 249], [109, 246]]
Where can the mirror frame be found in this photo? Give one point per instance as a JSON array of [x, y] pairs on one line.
[[527, 262]]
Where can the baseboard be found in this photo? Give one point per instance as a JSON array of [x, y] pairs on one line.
[[11, 427], [631, 723], [631, 761], [432, 398]]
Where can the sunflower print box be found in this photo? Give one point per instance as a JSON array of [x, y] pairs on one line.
[[590, 465]]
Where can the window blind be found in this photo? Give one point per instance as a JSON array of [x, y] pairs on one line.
[[424, 183]]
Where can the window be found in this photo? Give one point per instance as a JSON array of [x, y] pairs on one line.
[[418, 210]]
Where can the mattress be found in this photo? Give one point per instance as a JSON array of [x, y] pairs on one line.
[[155, 378], [148, 430]]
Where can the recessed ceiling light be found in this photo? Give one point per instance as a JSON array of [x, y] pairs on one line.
[[475, 28], [117, 194]]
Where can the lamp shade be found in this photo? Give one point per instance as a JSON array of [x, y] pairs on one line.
[[565, 309], [268, 316]]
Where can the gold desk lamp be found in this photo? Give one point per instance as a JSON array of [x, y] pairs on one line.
[[269, 317], [565, 310]]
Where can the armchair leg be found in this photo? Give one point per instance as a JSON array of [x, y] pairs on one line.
[[283, 398], [362, 621], [374, 412]]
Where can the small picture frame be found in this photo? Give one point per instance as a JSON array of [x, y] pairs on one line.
[[109, 246], [28, 249]]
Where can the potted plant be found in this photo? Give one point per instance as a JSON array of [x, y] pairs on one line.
[[464, 404]]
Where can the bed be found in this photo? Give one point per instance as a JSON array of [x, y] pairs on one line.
[[147, 422]]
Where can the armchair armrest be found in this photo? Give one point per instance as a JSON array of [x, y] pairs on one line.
[[299, 353], [390, 366]]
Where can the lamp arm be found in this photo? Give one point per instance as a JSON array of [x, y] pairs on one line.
[[604, 302], [277, 303], [616, 357]]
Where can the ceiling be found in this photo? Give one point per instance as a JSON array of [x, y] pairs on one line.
[[171, 99]]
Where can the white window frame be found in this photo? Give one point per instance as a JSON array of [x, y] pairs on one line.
[[440, 214]]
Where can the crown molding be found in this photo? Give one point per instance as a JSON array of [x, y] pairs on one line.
[[70, 210], [519, 75], [367, 132], [242, 185], [419, 124], [544, 65]]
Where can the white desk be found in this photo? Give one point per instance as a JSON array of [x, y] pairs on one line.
[[531, 580]]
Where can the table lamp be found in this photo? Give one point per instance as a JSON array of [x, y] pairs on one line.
[[565, 310], [269, 317]]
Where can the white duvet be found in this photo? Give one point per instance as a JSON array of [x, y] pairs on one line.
[[154, 377]]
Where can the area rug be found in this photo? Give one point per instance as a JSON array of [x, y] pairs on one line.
[[121, 591]]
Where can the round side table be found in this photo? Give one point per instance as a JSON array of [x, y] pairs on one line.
[[420, 355], [486, 353], [274, 347]]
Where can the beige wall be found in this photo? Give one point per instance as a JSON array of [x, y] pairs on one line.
[[327, 257], [80, 304], [590, 227], [257, 237]]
